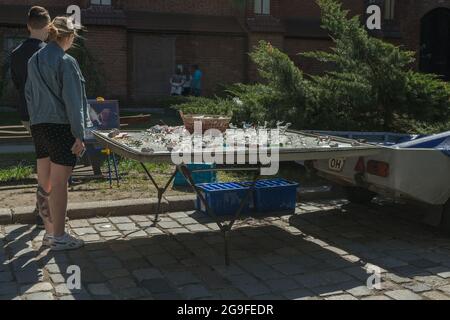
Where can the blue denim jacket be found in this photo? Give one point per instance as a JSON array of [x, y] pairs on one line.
[[62, 99]]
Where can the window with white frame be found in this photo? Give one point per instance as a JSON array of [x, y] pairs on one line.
[[262, 6], [389, 9], [101, 2]]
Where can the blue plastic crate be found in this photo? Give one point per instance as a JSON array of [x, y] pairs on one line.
[[277, 195], [199, 177], [224, 198]]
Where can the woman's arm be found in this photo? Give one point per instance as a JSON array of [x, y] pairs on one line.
[[73, 96]]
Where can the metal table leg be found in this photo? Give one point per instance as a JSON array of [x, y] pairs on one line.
[[160, 190], [225, 228]]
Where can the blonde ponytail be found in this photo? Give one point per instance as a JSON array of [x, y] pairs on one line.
[[61, 28]]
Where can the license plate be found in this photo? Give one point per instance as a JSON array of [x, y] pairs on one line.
[[336, 164]]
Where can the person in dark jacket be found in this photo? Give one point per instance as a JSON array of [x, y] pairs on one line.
[[56, 98], [38, 22]]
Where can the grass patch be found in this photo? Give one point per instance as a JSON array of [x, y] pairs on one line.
[[16, 167], [16, 173]]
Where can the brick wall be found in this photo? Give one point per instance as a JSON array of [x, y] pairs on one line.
[[45, 3], [109, 46], [221, 58], [409, 14], [310, 9], [205, 7]]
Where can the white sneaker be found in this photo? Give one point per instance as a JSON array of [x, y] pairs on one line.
[[46, 241], [66, 242]]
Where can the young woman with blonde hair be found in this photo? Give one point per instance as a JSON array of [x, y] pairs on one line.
[[57, 104]]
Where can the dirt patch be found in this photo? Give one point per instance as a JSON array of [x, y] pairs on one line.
[[136, 187]]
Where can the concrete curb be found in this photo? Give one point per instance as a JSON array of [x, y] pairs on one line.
[[26, 215]]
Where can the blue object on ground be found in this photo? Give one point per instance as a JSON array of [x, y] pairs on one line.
[[275, 195], [198, 177], [224, 198]]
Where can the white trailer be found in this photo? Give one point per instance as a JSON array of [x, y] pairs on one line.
[[416, 170]]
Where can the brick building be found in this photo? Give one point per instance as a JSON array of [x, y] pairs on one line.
[[139, 42]]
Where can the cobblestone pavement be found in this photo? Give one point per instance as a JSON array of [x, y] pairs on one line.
[[321, 252]]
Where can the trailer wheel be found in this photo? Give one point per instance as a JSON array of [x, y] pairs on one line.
[[445, 223], [358, 195]]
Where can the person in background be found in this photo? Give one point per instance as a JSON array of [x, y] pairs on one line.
[[177, 82], [196, 82], [37, 24], [187, 83], [56, 99]]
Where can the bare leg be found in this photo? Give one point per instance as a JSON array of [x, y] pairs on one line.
[[59, 176], [43, 172]]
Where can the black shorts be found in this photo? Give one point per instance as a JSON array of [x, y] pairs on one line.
[[54, 141]]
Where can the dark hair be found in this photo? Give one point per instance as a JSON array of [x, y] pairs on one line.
[[38, 18], [195, 66]]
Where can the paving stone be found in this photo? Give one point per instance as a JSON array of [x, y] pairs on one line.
[[139, 234], [137, 263], [105, 227], [99, 289], [161, 260], [153, 231], [8, 288], [423, 263], [5, 276], [376, 298], [298, 294], [61, 289], [169, 225], [117, 220], [90, 237], [106, 263], [133, 294], [341, 297], [28, 276], [182, 278], [289, 269], [108, 234], [115, 273], [157, 286], [178, 231], [56, 268], [445, 289], [178, 215], [403, 295], [38, 287], [195, 291], [313, 280], [435, 295], [253, 289], [39, 296], [197, 227], [57, 278], [79, 223], [139, 218], [281, 285], [146, 274], [432, 281], [122, 283], [127, 226], [395, 278], [98, 220], [360, 291], [186, 221], [418, 287]]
